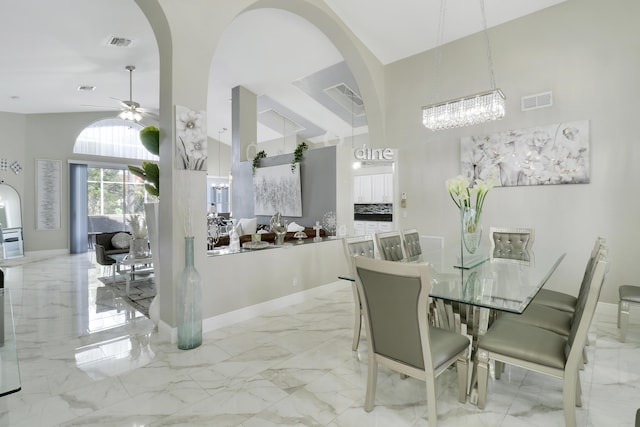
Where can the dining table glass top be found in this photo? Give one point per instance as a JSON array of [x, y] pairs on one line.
[[496, 283]]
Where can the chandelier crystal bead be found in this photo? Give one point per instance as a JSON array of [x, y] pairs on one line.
[[466, 111]]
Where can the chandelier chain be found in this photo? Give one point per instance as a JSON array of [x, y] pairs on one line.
[[492, 79], [439, 40]]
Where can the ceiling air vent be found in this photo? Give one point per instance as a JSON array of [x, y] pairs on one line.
[[118, 41], [86, 88], [539, 100], [278, 122], [346, 98]]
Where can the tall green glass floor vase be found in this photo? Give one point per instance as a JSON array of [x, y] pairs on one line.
[[189, 300]]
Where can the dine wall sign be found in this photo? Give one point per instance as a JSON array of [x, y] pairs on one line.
[[367, 153]]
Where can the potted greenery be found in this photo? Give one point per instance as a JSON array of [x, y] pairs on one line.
[[256, 160], [149, 171], [297, 154]]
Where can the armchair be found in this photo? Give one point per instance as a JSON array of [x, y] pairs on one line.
[[104, 248]]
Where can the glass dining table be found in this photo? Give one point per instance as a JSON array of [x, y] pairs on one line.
[[9, 370], [468, 299]]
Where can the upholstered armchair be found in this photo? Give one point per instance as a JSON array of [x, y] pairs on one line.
[[105, 247]]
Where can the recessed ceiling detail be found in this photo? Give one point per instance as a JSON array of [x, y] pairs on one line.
[[346, 98], [331, 87], [279, 122], [281, 119]]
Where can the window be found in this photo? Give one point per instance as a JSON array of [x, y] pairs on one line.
[[113, 195], [113, 138]]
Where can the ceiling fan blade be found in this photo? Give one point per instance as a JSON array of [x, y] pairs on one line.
[[148, 110], [150, 114], [100, 106]]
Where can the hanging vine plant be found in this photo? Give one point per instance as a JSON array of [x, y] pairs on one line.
[[256, 160], [297, 155]]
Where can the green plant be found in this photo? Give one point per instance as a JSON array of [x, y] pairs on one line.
[[149, 172], [256, 160], [297, 154]]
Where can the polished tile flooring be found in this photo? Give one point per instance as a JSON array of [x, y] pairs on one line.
[[86, 359]]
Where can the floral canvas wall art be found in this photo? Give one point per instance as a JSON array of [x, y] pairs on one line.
[[551, 154], [191, 139], [277, 189]]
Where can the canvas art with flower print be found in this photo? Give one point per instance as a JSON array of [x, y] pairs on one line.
[[550, 154], [191, 139]]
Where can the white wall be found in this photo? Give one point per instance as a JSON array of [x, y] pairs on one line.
[[586, 52], [13, 148]]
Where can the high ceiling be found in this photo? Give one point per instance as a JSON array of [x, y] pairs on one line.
[[50, 48]]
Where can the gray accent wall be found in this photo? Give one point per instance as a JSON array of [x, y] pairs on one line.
[[317, 177]]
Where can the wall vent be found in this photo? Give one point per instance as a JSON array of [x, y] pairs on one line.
[[538, 100], [118, 41]]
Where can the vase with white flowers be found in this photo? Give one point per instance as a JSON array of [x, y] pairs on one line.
[[470, 200]]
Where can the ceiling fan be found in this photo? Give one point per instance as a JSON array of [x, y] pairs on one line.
[[131, 110]]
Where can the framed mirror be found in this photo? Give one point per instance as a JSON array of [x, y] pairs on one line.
[[10, 222]]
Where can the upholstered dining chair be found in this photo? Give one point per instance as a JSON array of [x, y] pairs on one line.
[[511, 243], [629, 295], [394, 299], [362, 246], [543, 351], [552, 319], [561, 300], [411, 240], [390, 246]]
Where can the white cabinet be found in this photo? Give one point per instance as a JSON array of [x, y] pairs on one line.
[[364, 228], [376, 188]]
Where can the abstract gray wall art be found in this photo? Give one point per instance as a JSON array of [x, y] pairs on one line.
[[277, 189]]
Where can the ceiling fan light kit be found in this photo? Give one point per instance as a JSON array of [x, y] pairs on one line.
[[131, 109]]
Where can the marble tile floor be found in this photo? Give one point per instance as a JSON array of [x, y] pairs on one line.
[[86, 359]]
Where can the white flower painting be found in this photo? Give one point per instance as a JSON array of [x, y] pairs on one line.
[[191, 139], [551, 154]]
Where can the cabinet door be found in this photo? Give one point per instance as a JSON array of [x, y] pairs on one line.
[[362, 189], [388, 188], [377, 188], [381, 188], [383, 227]]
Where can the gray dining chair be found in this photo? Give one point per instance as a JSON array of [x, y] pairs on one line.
[[511, 243], [552, 319], [629, 295], [390, 246], [411, 240], [561, 300], [394, 299], [543, 351], [362, 246]]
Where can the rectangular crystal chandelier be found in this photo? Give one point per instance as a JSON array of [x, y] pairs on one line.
[[469, 110], [472, 109]]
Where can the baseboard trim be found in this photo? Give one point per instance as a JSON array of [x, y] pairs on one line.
[[247, 313]]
